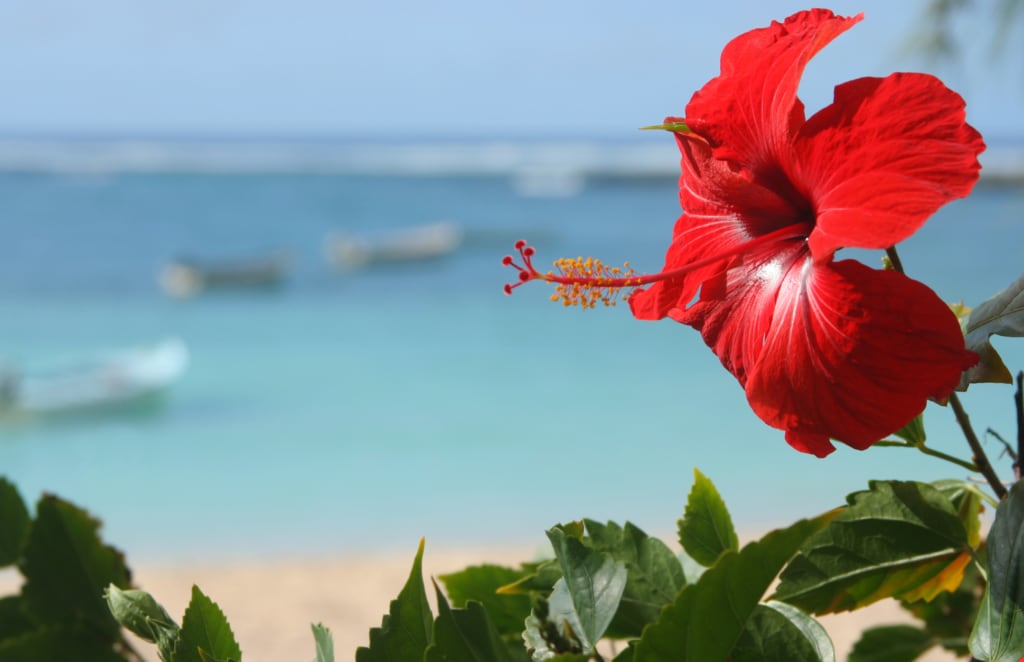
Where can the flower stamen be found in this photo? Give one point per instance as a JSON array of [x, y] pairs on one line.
[[586, 282]]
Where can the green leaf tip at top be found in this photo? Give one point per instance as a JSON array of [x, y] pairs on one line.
[[680, 127], [465, 635], [706, 530], [595, 582], [14, 523], [205, 633], [405, 631], [66, 566], [324, 643], [141, 614]]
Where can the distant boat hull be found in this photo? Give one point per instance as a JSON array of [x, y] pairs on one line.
[[424, 242], [118, 379], [187, 277]]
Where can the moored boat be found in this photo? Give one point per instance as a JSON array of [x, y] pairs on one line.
[[110, 380], [422, 242], [186, 276]]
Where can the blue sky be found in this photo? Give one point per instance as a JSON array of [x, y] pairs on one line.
[[404, 68]]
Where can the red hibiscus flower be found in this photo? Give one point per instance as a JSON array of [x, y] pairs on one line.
[[824, 349]]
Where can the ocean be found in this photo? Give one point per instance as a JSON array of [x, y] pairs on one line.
[[358, 410]]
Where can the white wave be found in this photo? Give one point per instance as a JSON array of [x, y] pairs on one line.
[[424, 158]]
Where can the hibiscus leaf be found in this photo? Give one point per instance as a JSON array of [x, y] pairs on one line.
[[891, 643], [913, 432], [968, 501], [481, 583], [205, 634], [595, 581], [653, 574], [777, 631], [706, 529], [553, 627], [1002, 315], [405, 631], [540, 578], [707, 617], [897, 539], [66, 567], [14, 523], [465, 635], [998, 634], [950, 616]]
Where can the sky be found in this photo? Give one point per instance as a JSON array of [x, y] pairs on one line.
[[431, 69]]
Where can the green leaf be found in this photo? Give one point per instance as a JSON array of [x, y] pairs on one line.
[[706, 529], [540, 577], [891, 643], [595, 582], [668, 126], [324, 643], [950, 616], [57, 643], [777, 631], [405, 631], [707, 617], [465, 635], [13, 621], [205, 634], [998, 633], [481, 583], [14, 523], [553, 628], [897, 539], [913, 432], [968, 502], [67, 567], [1001, 315], [627, 654], [653, 574], [138, 612]]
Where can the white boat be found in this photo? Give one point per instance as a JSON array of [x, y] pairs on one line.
[[110, 380], [185, 277], [421, 242]]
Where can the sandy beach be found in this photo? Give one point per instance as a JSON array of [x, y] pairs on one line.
[[271, 603]]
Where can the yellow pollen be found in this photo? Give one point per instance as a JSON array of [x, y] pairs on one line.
[[593, 282]]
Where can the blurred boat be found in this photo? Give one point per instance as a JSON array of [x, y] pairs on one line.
[[185, 277], [113, 380], [422, 242]]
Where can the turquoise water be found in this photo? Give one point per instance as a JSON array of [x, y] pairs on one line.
[[355, 411]]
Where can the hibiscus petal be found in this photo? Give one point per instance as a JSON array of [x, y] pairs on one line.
[[883, 158], [724, 210], [750, 112], [853, 354], [735, 309]]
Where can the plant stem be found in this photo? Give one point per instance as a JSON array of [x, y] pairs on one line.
[[894, 257], [970, 466], [984, 466], [1018, 400], [980, 459]]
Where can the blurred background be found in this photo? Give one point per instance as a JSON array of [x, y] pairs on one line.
[[250, 284]]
